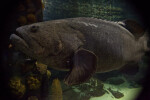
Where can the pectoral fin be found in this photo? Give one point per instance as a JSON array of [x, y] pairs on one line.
[[84, 66]]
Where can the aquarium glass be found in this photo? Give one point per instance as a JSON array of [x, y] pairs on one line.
[[32, 80]]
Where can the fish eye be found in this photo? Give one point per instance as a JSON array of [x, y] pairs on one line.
[[34, 28]]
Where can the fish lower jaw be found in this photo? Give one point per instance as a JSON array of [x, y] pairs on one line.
[[16, 40]]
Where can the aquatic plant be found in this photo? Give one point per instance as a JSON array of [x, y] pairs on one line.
[[33, 83], [56, 90], [17, 88]]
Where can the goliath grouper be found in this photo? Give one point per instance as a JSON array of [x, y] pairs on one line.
[[82, 46]]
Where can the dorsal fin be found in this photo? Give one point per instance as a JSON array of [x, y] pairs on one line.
[[135, 28]]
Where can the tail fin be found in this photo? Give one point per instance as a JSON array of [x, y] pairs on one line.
[[146, 39]]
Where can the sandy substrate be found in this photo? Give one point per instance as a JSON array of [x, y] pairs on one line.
[[129, 93]]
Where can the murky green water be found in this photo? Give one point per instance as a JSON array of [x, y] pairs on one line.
[[115, 10]]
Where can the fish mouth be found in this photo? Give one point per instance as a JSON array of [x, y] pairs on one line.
[[18, 40], [21, 45]]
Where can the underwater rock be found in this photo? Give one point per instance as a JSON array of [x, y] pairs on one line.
[[32, 98], [33, 83], [28, 12], [21, 7], [92, 88], [31, 18], [115, 81], [56, 90], [31, 10], [31, 6], [17, 88], [96, 88], [116, 94]]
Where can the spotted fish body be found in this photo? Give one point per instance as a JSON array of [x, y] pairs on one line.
[[82, 46]]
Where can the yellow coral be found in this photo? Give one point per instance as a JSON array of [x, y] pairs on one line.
[[22, 20], [56, 90], [20, 91], [33, 83], [17, 88], [48, 73], [31, 18], [42, 68], [15, 82]]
